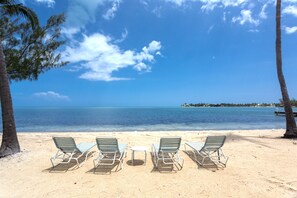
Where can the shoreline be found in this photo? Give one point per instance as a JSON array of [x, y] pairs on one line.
[[173, 132], [155, 131], [260, 165]]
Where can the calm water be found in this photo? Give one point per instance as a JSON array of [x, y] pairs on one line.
[[141, 119]]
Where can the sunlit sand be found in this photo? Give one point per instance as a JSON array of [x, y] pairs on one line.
[[261, 164]]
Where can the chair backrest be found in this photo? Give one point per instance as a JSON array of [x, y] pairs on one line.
[[213, 143], [65, 144], [170, 144], [107, 145]]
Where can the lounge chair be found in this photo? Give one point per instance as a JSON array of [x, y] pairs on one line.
[[110, 152], [211, 149], [167, 152], [68, 150]]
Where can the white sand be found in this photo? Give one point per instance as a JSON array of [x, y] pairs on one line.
[[260, 165]]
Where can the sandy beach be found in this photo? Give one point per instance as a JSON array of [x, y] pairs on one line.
[[261, 164]]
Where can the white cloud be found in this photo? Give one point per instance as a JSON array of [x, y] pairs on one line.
[[291, 30], [246, 17], [177, 2], [232, 3], [246, 6], [82, 12], [153, 47], [292, 10], [124, 36], [253, 30], [110, 14], [224, 16], [73, 69], [51, 95], [290, 1], [100, 57], [208, 5], [263, 14], [157, 11], [144, 2], [210, 29], [141, 66], [70, 31], [50, 3]]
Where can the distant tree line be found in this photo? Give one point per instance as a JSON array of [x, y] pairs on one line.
[[293, 102], [280, 104], [229, 105]]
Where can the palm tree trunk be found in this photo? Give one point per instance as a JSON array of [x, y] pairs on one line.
[[291, 130], [10, 143]]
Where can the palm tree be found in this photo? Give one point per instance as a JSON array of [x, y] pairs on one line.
[[291, 130], [10, 144]]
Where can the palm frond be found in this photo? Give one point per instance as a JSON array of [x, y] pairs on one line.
[[7, 2], [20, 10]]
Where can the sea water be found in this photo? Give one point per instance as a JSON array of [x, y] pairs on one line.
[[145, 119]]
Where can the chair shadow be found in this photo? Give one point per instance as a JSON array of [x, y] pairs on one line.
[[72, 165], [162, 168], [105, 169], [62, 168], [209, 165]]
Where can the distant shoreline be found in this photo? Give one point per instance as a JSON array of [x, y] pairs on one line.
[[189, 105]]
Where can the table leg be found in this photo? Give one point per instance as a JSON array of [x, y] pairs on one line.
[[132, 158]]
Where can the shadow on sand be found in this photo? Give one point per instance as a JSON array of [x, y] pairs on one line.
[[163, 168], [72, 165], [209, 165], [105, 169]]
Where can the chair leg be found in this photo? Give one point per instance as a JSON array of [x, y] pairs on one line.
[[94, 162], [155, 160], [52, 161], [77, 162]]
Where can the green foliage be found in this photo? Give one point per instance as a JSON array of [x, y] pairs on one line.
[[28, 52], [293, 102], [13, 9], [7, 2], [229, 105]]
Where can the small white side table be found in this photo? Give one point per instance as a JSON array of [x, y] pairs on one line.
[[138, 149]]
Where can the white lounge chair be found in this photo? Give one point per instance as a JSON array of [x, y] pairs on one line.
[[211, 149], [110, 152], [68, 150], [167, 152]]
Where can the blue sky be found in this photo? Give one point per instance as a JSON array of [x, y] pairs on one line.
[[164, 53]]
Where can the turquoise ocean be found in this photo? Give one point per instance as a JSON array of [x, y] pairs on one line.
[[82, 119]]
